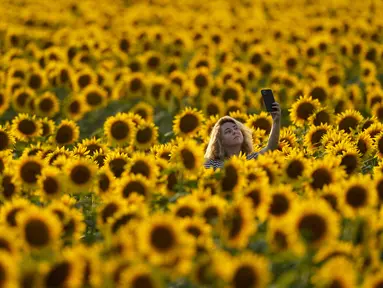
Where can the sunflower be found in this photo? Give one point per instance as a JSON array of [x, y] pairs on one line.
[[373, 96], [80, 174], [335, 136], [232, 91], [153, 60], [144, 110], [67, 132], [119, 129], [213, 106], [6, 139], [74, 226], [302, 109], [142, 164], [156, 87], [47, 105], [233, 178], [140, 275], [329, 275], [249, 270], [201, 78], [136, 85], [75, 108], [281, 238], [354, 94], [374, 129], [188, 122], [315, 222], [323, 172], [129, 216], [146, 136], [83, 78], [65, 271], [50, 183], [295, 166], [4, 101], [373, 279], [282, 201], [28, 169], [94, 96], [39, 228], [323, 115], [105, 182], [94, 145], [8, 270], [132, 184], [197, 227], [349, 120], [287, 138], [314, 136], [355, 196], [116, 162], [367, 71], [162, 240], [185, 207], [26, 127], [111, 204], [263, 121], [48, 126], [201, 60], [189, 155], [37, 80], [9, 185], [162, 151]]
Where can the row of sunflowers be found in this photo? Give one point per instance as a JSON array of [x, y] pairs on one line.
[[106, 109]]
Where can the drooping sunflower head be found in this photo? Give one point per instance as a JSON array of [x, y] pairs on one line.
[[188, 122]]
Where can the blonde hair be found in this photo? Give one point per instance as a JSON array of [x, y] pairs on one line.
[[215, 149]]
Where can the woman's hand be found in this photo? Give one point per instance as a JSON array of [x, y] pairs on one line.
[[276, 113]]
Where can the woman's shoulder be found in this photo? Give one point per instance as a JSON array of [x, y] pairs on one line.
[[253, 155]]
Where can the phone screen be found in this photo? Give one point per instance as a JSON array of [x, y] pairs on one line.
[[268, 99]]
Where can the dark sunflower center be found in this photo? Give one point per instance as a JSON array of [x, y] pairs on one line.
[[356, 196], [123, 220], [210, 214], [244, 277], [305, 110], [255, 197], [332, 200], [230, 94], [230, 180], [80, 174], [64, 135], [46, 129], [162, 238], [279, 205], [185, 211], [280, 239], [22, 98], [135, 84], [351, 163], [153, 62], [46, 105], [50, 186], [108, 211], [117, 166], [321, 177], [312, 227], [142, 281], [321, 117], [93, 98], [11, 217], [336, 284], [200, 81], [9, 187], [5, 245], [74, 107], [37, 233], [58, 275], [119, 130], [140, 167], [104, 183], [134, 186], [212, 109], [262, 123], [27, 127], [35, 81], [193, 230], [236, 224], [188, 123], [29, 171], [4, 140], [347, 123], [144, 135], [188, 159], [316, 137], [294, 169], [84, 80]]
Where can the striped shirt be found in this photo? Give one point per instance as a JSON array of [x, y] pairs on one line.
[[219, 163]]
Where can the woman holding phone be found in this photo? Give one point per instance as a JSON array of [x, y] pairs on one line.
[[229, 137]]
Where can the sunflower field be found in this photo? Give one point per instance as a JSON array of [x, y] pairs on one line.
[[106, 109]]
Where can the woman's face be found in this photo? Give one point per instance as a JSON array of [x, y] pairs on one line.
[[231, 135]]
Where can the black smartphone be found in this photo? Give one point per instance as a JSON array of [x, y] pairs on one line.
[[268, 99]]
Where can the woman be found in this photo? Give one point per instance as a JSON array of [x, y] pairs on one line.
[[229, 137]]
